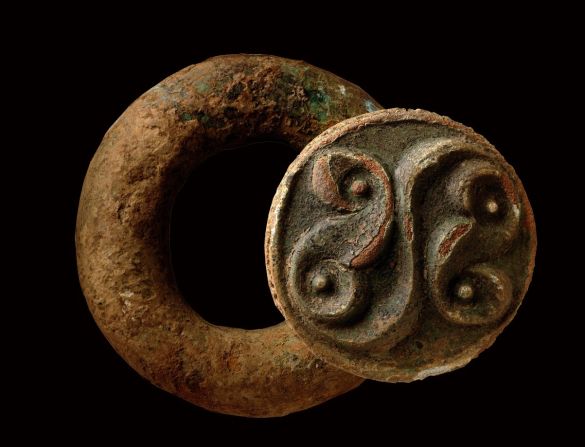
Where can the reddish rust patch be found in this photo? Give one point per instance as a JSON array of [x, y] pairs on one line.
[[373, 249], [325, 186], [453, 237], [509, 189], [408, 227]]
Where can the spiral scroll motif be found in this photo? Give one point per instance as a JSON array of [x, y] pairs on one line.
[[408, 242], [325, 274], [484, 225]]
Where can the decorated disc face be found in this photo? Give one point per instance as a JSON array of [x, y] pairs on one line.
[[399, 245]]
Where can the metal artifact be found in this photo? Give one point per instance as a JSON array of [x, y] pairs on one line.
[[399, 242]]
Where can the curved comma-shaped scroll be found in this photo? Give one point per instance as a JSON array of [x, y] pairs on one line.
[[331, 262], [472, 217], [464, 284]]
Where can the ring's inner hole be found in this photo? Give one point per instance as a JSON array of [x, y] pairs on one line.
[[217, 235]]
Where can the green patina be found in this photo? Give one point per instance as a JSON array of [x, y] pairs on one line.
[[190, 116], [185, 116], [202, 87], [202, 117], [294, 70], [319, 103]]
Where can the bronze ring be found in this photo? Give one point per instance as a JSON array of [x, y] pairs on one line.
[[123, 225]]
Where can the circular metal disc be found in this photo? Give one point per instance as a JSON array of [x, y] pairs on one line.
[[399, 245]]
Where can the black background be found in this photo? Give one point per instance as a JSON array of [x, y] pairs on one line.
[[493, 77]]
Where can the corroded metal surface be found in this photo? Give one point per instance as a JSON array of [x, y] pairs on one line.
[[123, 223], [399, 245]]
